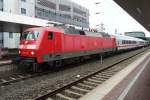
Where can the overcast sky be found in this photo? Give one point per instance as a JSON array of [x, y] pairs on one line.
[[113, 16]]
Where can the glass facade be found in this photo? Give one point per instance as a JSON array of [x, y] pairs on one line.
[[23, 0], [62, 11], [1, 5], [78, 11], [135, 34], [64, 8], [47, 3]]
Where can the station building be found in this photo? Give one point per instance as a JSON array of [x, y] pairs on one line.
[[62, 11], [137, 34]]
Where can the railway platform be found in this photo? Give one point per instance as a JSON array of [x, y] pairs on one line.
[[7, 58], [3, 62], [132, 83]]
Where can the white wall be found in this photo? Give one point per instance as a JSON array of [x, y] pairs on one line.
[[11, 6], [14, 6], [11, 43], [29, 5]]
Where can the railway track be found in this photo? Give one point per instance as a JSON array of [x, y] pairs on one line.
[[16, 77], [19, 77], [79, 88]]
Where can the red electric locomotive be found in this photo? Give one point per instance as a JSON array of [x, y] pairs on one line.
[[54, 44]]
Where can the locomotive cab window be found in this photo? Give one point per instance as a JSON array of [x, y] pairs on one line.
[[50, 35], [30, 35]]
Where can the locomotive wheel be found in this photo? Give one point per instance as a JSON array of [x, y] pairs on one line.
[[82, 59], [77, 60], [36, 67], [58, 63], [50, 64], [21, 66]]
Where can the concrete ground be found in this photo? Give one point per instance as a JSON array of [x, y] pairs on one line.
[[141, 88]]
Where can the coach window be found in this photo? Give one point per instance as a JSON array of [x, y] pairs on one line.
[[50, 35]]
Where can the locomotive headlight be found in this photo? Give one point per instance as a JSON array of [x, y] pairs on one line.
[[32, 52], [19, 52], [21, 46]]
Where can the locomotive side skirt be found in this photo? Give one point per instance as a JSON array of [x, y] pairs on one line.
[[58, 56]]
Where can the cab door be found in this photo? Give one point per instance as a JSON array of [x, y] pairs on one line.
[[58, 42], [50, 42]]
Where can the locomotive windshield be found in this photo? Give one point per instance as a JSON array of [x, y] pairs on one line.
[[30, 35]]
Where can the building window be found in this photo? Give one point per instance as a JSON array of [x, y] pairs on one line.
[[23, 11], [47, 3], [10, 35], [80, 12], [23, 0], [64, 7]]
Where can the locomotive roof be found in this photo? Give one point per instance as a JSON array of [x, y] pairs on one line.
[[71, 30], [54, 29]]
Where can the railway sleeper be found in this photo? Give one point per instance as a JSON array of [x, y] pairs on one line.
[[118, 69], [20, 76], [60, 96], [69, 91], [72, 94], [103, 76], [113, 71], [85, 86], [49, 99], [15, 76], [90, 83], [12, 78], [78, 90], [99, 78], [95, 80], [107, 74], [3, 80]]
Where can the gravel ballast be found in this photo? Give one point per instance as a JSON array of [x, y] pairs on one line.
[[34, 87]]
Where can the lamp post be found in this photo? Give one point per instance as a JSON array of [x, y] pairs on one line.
[[100, 26], [97, 3], [97, 13]]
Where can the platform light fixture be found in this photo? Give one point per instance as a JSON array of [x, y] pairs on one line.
[[97, 3], [97, 13], [139, 10]]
